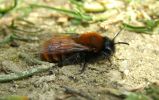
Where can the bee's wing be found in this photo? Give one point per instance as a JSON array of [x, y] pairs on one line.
[[63, 46]]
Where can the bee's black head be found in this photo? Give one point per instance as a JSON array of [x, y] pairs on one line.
[[109, 47]]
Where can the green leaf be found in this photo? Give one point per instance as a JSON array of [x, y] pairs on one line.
[[7, 9], [148, 28], [74, 14], [14, 97], [139, 29], [136, 96], [153, 91]]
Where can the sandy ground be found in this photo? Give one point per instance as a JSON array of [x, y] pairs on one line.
[[133, 66]]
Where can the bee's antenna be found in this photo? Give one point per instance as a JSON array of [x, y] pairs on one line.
[[122, 43], [117, 34]]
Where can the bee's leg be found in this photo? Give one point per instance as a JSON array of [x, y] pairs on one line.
[[84, 65], [110, 62], [108, 57], [60, 62], [83, 62]]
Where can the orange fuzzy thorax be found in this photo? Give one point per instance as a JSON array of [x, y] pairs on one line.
[[91, 39]]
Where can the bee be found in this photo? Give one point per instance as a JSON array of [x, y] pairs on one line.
[[79, 48]]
